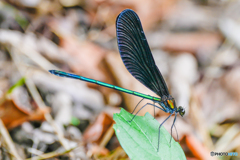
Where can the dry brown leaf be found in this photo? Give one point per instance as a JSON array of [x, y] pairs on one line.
[[12, 115], [145, 9], [192, 42], [97, 150], [86, 56], [96, 131], [197, 148]]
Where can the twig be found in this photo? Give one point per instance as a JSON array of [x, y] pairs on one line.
[[228, 136], [50, 155], [9, 141], [108, 135]]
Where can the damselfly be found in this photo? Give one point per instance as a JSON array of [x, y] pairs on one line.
[[137, 57]]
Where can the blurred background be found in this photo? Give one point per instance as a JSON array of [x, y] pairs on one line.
[[195, 44]]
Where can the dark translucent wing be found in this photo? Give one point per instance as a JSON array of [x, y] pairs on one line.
[[136, 54]]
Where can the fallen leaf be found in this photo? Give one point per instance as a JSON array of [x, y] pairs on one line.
[[197, 148], [12, 115], [192, 42], [96, 131]]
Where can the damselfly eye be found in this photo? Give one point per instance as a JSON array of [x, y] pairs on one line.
[[181, 111]]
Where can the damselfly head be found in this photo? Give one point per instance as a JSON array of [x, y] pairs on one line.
[[181, 110]]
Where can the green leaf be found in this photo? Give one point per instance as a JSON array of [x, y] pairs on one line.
[[75, 121], [21, 20], [19, 83], [139, 138]]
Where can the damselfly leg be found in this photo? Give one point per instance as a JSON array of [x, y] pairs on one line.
[[137, 105], [172, 127], [160, 127], [145, 106]]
